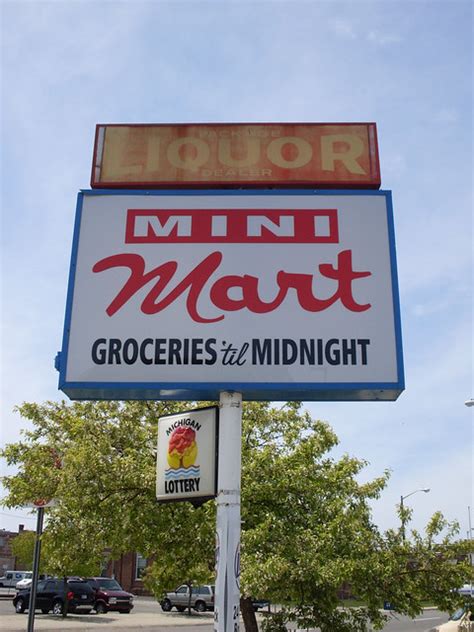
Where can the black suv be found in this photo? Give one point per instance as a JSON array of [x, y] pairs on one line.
[[51, 594], [109, 595]]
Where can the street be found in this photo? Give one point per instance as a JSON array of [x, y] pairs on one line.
[[423, 623], [147, 616]]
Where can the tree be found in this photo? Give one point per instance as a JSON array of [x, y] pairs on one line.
[[185, 550], [308, 530], [23, 546], [306, 518]]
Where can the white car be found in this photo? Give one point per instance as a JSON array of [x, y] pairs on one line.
[[467, 589], [461, 621], [11, 578], [25, 582]]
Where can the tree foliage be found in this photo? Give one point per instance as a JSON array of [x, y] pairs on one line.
[[306, 520], [23, 547]]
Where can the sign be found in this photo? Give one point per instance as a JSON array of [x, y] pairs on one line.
[[277, 294], [41, 502], [186, 455], [323, 155]]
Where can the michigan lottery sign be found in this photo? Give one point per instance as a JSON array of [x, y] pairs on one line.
[[277, 294], [187, 455]]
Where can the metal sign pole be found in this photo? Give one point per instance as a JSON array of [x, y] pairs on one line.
[[36, 563], [227, 598]]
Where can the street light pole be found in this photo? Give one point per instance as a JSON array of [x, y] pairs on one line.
[[471, 555], [402, 498], [403, 517]]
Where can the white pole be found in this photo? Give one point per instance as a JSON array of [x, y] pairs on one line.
[[227, 598]]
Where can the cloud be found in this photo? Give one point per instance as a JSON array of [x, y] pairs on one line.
[[383, 39], [431, 307], [394, 166], [447, 115], [343, 28]]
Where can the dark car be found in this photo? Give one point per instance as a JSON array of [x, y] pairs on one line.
[[52, 594], [109, 595]]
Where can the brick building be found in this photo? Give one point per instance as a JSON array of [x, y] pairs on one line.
[[7, 560], [128, 570]]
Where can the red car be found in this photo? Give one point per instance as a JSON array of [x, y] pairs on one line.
[[109, 595]]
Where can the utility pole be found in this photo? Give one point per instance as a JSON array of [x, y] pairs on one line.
[[36, 563]]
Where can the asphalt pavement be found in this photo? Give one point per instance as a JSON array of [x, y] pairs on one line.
[[147, 616]]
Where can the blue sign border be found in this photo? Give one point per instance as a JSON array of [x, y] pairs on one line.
[[271, 391]]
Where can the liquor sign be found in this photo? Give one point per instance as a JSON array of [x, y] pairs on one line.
[[323, 155], [276, 294], [187, 455]]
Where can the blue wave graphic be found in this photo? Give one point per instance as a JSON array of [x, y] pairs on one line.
[[182, 472]]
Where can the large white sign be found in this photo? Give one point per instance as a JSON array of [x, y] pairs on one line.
[[186, 455], [275, 294]]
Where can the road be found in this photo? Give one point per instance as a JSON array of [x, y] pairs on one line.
[[148, 617], [423, 623]]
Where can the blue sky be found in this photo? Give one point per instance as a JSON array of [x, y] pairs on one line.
[[405, 65]]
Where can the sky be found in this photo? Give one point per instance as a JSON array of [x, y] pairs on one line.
[[406, 65]]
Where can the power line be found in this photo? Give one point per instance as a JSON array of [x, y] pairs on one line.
[[6, 513]]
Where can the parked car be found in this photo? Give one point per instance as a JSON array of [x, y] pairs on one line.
[[10, 578], [25, 582], [51, 594], [461, 621], [202, 598], [28, 580], [466, 589], [109, 595]]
